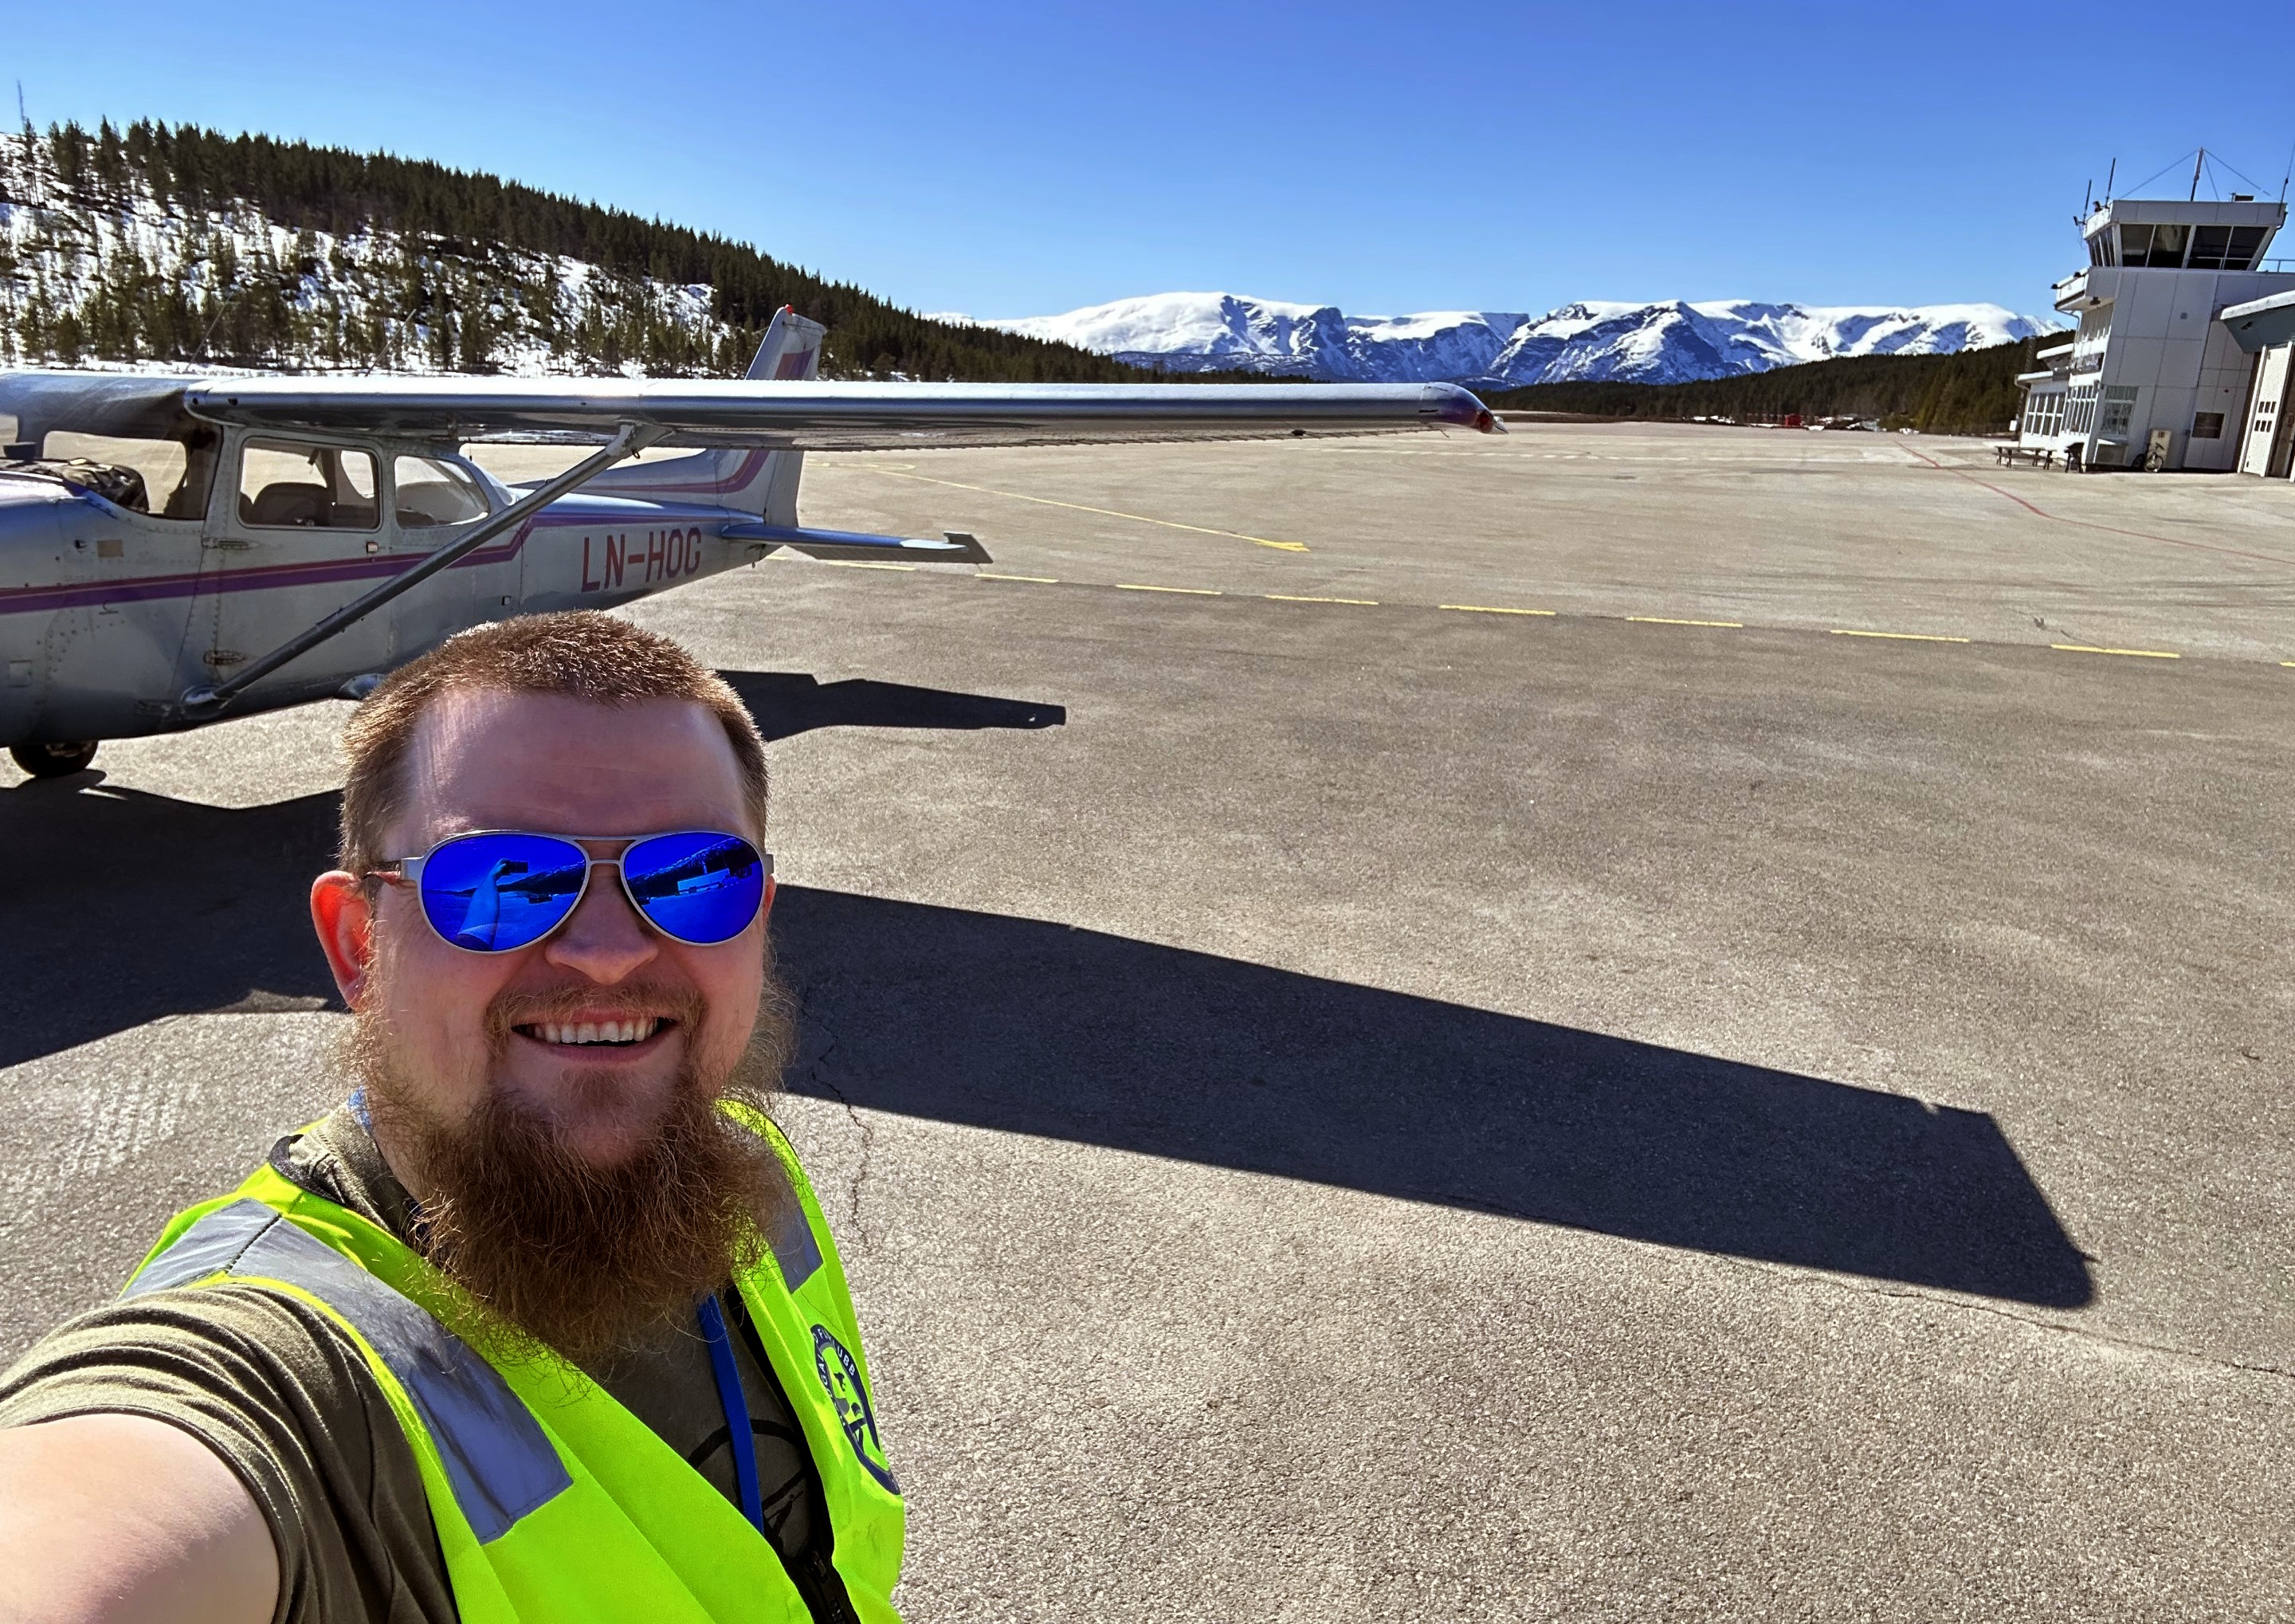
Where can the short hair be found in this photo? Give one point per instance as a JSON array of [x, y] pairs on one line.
[[581, 654]]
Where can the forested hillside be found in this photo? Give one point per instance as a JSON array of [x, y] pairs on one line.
[[1973, 392], [154, 245]]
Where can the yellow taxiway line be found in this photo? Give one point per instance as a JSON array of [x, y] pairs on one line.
[[1078, 507], [1901, 637], [1498, 609]]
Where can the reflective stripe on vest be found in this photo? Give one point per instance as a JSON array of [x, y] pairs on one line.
[[500, 1464]]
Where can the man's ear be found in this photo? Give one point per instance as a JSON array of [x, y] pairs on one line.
[[342, 912]]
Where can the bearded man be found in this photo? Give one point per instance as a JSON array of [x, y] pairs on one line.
[[543, 1323]]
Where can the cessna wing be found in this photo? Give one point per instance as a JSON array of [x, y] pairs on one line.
[[156, 532], [815, 416]]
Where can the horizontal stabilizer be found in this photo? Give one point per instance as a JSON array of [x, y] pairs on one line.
[[851, 545]]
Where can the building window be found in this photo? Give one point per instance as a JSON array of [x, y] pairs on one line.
[[2119, 409], [2210, 244], [2079, 409], [2044, 415], [2224, 247], [2155, 247], [2207, 426]]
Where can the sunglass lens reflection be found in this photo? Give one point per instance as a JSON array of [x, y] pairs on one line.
[[495, 892], [697, 887]]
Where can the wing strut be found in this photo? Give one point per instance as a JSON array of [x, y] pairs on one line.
[[203, 702]]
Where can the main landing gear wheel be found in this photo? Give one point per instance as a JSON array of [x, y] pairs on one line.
[[53, 760]]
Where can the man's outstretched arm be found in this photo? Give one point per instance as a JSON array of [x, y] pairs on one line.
[[124, 1519]]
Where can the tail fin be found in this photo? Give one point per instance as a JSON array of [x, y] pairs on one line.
[[760, 482], [791, 351]]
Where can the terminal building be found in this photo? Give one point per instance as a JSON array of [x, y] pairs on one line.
[[2155, 376], [2264, 328]]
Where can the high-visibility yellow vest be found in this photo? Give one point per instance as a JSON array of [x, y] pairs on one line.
[[553, 1503]]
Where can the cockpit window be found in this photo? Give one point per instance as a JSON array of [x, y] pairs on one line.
[[176, 473], [320, 487], [429, 492]]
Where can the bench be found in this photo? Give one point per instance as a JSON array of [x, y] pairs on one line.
[[2038, 456]]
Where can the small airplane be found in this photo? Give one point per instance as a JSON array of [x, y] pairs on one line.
[[174, 551]]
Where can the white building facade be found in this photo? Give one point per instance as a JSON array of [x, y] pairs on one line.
[[2264, 329], [2153, 377]]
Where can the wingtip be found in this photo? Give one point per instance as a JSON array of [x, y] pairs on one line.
[[1460, 408]]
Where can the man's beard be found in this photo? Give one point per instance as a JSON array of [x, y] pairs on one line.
[[552, 1251]]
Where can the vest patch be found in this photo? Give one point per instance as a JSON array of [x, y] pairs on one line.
[[840, 1375]]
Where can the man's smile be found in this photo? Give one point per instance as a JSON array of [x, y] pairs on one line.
[[626, 1034]]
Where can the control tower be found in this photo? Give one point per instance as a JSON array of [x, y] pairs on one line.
[[2152, 356]]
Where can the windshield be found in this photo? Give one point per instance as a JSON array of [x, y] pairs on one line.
[[429, 491], [173, 473]]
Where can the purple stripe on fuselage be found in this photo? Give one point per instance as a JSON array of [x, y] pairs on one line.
[[25, 599], [633, 491], [733, 481]]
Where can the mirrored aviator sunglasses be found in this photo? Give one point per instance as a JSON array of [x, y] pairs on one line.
[[499, 890]]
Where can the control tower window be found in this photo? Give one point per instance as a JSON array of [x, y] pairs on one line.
[[2246, 243], [2155, 247], [2210, 245], [324, 487]]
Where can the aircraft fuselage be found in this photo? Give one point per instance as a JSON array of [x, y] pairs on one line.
[[109, 616]]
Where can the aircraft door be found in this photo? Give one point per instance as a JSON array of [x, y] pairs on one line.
[[431, 498], [296, 532]]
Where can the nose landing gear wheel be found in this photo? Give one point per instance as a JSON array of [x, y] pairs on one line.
[[53, 760]]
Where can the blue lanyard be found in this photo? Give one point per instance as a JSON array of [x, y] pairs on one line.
[[737, 1411]]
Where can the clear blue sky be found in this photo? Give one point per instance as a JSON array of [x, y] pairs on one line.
[[1022, 159]]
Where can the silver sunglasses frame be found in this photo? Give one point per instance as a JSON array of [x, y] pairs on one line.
[[408, 871]]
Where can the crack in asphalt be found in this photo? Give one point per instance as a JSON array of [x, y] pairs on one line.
[[817, 1074]]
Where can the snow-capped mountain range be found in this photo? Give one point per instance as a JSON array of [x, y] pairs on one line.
[[1673, 342]]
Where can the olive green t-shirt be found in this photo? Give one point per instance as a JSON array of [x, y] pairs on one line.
[[285, 1397]]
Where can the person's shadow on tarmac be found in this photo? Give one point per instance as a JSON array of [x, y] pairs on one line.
[[124, 907]]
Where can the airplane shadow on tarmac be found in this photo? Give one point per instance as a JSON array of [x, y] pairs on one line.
[[120, 907], [786, 703], [1031, 1027], [123, 906]]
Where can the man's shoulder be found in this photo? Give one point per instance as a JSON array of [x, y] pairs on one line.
[[285, 1397], [233, 1345]]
